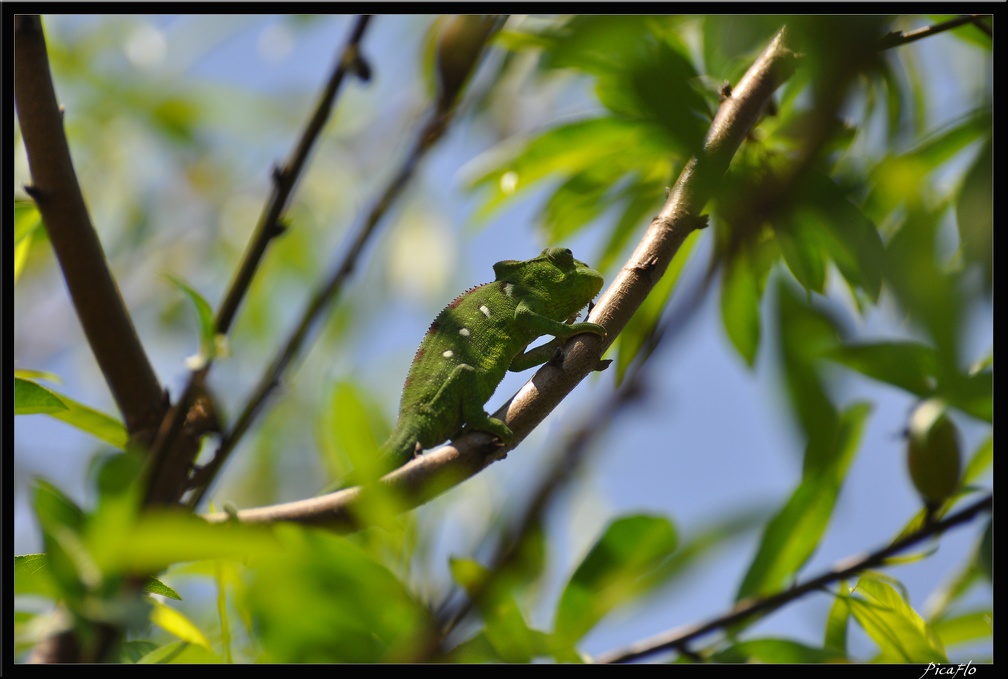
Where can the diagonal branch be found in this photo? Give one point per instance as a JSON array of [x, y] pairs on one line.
[[677, 639], [170, 468], [433, 473], [96, 299]]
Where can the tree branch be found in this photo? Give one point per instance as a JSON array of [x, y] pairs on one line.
[[677, 639], [96, 298], [426, 477], [897, 38]]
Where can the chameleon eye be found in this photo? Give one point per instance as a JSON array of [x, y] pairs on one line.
[[562, 257]]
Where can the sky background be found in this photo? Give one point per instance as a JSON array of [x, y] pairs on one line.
[[711, 440]]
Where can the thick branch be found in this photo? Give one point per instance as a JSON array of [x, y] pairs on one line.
[[428, 476], [96, 299], [676, 639]]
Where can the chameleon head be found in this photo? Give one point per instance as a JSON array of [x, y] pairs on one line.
[[567, 283]]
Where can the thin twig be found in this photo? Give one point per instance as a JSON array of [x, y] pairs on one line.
[[897, 38], [431, 474], [677, 638], [434, 127], [168, 474], [96, 299]]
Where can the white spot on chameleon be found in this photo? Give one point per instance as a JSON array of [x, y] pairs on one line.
[[464, 332], [508, 289], [486, 312], [448, 354]]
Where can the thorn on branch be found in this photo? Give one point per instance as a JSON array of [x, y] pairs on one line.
[[356, 64], [33, 192], [280, 174], [280, 227]]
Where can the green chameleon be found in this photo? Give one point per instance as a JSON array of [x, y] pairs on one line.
[[481, 335]]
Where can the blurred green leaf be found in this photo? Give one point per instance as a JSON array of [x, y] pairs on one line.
[[176, 624], [506, 629], [775, 651], [365, 615], [835, 637], [905, 364], [566, 150], [741, 293], [614, 572], [351, 429], [27, 220], [975, 212], [131, 651], [32, 398], [844, 233], [965, 628], [180, 652], [793, 535], [33, 576], [900, 633], [985, 552], [805, 334], [927, 290], [803, 253]]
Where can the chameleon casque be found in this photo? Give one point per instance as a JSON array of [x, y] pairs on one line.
[[481, 335]]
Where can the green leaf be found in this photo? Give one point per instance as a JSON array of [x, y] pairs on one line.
[[793, 535], [155, 586], [965, 628], [72, 568], [974, 212], [613, 573], [835, 637], [985, 552], [803, 254], [506, 629], [908, 365], [775, 651], [180, 652], [900, 633], [567, 149], [576, 203], [741, 291], [805, 334], [33, 576], [980, 461], [177, 624], [351, 430], [205, 318], [157, 540], [132, 651], [366, 615], [32, 398], [27, 220]]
